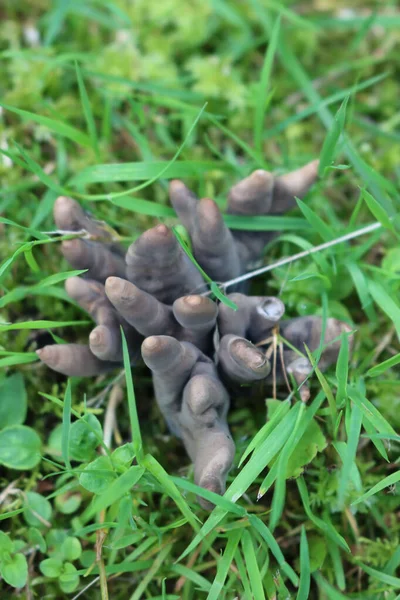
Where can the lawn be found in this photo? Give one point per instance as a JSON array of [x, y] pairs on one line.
[[106, 101]]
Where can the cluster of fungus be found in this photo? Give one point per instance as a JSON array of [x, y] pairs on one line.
[[199, 352]]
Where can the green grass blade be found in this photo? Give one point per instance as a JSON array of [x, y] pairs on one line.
[[394, 562], [212, 497], [141, 171], [266, 223], [361, 285], [66, 425], [371, 412], [383, 366], [18, 358], [42, 325], [224, 565], [278, 499], [253, 570], [57, 127], [245, 147], [118, 488], [213, 286], [329, 590], [337, 565], [351, 450], [243, 574], [326, 387], [156, 565], [262, 434], [342, 369], [303, 423], [87, 110], [264, 85], [385, 302], [317, 224], [305, 569], [274, 547], [316, 106], [259, 460], [159, 175], [133, 416], [380, 575], [200, 581], [329, 147], [377, 210], [325, 527], [386, 482], [169, 487], [376, 438]]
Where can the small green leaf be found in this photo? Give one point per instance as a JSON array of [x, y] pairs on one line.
[[71, 548], [6, 543], [51, 567], [19, 447], [312, 442], [15, 571], [98, 475], [124, 454], [69, 580], [115, 490], [318, 551], [36, 539], [68, 503], [83, 440], [12, 401], [37, 511]]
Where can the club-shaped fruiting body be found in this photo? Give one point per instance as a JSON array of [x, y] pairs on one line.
[[193, 347]]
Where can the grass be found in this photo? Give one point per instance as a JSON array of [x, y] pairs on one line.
[[114, 99]]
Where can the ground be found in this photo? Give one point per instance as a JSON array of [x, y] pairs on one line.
[[258, 84]]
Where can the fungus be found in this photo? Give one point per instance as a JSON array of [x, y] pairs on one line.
[[195, 349]]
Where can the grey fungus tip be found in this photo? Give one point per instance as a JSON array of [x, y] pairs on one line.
[[244, 351], [48, 355], [252, 195], [161, 352], [195, 311], [272, 309], [293, 185], [240, 361], [153, 245], [176, 186], [120, 290], [67, 213]]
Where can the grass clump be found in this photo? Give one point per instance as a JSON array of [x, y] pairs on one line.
[[100, 99]]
